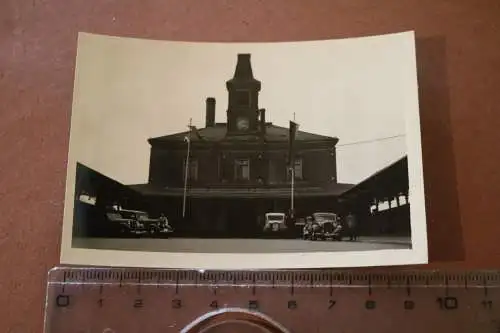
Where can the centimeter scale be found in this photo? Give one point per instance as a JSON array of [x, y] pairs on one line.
[[102, 300]]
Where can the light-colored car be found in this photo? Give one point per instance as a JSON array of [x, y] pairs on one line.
[[275, 222]]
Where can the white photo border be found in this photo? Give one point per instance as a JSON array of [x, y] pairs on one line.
[[418, 254]]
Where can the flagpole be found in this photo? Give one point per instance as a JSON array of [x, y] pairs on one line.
[[186, 169], [291, 162], [292, 189]]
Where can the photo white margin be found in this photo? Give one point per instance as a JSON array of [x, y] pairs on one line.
[[301, 260]]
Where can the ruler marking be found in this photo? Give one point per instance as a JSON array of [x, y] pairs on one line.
[[485, 286], [330, 278], [176, 283], [408, 289], [369, 284], [163, 277], [194, 278], [292, 286], [83, 278], [139, 276], [64, 280], [214, 283], [253, 284], [446, 284]]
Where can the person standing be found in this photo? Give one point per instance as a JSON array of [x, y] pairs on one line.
[[352, 226]]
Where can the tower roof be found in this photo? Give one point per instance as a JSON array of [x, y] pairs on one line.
[[243, 67], [243, 72]]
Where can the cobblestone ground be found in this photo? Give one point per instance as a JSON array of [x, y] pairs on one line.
[[242, 245]]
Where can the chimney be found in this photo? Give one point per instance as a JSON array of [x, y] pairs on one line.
[[210, 112], [263, 120]]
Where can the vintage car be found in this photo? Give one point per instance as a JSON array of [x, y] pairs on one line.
[[323, 226], [275, 223], [126, 223], [135, 222], [155, 226], [310, 230], [330, 227]]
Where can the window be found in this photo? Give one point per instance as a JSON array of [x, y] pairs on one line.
[[242, 169], [297, 170], [242, 97], [193, 169]]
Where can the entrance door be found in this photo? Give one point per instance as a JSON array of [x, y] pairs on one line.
[[242, 219]]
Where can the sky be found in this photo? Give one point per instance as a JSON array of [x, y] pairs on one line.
[[128, 90]]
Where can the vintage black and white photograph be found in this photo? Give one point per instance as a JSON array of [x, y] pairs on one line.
[[245, 155]]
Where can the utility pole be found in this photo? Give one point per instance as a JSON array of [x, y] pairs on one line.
[[186, 167]]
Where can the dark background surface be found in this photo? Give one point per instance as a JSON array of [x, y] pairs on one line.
[[459, 74]]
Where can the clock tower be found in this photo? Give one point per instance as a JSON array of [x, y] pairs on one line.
[[243, 99]]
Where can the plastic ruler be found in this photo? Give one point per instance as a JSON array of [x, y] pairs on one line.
[[114, 300]]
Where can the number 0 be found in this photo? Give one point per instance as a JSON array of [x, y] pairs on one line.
[[62, 301]]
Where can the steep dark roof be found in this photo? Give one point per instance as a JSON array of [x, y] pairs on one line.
[[243, 71], [392, 178], [217, 133]]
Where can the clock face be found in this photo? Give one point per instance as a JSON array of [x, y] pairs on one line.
[[242, 123]]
